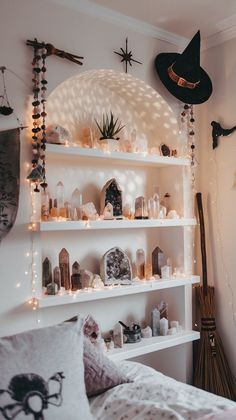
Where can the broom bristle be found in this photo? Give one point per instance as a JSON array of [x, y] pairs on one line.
[[212, 372], [206, 303]]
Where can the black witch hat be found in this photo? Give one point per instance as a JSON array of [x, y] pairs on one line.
[[182, 74]]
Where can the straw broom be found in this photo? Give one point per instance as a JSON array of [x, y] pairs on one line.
[[211, 371]]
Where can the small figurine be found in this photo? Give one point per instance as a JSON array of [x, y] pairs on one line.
[[165, 150]]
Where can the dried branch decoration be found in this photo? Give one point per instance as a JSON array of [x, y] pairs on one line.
[[51, 50]]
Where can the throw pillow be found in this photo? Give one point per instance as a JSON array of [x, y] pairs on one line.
[[100, 372], [42, 374]]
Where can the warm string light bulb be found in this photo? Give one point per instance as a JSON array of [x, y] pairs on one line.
[[32, 254]]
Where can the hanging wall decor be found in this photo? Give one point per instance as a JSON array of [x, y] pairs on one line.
[[5, 108], [182, 74], [39, 140], [126, 56], [187, 118], [186, 80], [51, 50], [218, 131], [9, 178], [38, 172]]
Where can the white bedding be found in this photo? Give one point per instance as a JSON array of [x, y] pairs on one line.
[[153, 396]]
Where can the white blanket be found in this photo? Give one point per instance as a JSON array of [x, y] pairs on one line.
[[153, 396]]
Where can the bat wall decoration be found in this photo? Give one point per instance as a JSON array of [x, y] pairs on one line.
[[218, 131]]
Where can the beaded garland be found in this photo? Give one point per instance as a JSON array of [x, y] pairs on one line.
[[187, 116], [39, 116]]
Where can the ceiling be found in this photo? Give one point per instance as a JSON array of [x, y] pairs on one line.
[[181, 17], [175, 21]]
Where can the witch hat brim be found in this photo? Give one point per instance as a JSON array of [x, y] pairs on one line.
[[182, 74]]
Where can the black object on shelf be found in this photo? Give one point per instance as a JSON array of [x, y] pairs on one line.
[[131, 334]]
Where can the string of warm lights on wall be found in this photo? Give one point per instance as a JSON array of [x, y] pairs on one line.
[[33, 252]]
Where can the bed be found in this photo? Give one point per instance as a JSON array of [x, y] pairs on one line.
[[153, 396], [58, 373]]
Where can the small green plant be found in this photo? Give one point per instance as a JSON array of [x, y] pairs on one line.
[[109, 127]]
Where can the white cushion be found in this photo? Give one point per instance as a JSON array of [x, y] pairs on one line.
[[42, 373]]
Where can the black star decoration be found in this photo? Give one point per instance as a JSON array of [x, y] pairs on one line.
[[126, 56]]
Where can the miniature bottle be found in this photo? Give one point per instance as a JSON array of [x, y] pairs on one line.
[[141, 211], [60, 196], [44, 205]]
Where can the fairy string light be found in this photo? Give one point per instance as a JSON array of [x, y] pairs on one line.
[[32, 254]]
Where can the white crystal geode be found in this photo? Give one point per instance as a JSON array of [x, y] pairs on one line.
[[115, 267]]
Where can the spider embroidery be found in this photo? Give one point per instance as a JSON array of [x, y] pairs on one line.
[[126, 56], [31, 395]]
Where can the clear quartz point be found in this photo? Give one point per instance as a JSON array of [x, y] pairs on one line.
[[60, 191], [76, 205], [156, 199]]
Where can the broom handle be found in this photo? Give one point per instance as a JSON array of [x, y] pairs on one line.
[[203, 242]]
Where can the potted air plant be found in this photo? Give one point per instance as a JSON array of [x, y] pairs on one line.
[[109, 128]]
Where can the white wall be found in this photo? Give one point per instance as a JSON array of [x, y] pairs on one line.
[[80, 34], [96, 40], [217, 183]]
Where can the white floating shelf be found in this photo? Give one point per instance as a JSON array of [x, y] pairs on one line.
[[140, 159], [113, 224], [115, 291], [149, 345]]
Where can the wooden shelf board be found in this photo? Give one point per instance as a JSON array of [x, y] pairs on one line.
[[140, 159], [149, 345], [141, 286], [113, 224]]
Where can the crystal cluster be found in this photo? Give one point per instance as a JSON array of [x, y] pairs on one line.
[[60, 280], [111, 205]]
